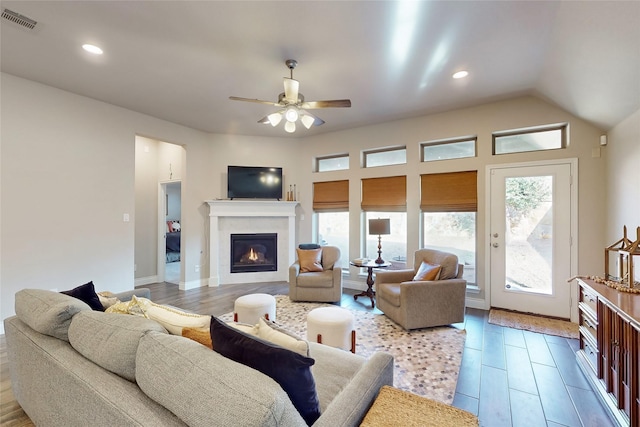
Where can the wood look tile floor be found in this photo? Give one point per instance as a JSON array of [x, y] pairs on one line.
[[508, 377]]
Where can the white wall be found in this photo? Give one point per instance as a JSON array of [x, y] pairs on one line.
[[622, 203], [173, 202], [146, 205], [67, 177]]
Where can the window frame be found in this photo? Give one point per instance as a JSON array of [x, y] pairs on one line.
[[562, 127], [447, 141], [331, 157], [366, 153]]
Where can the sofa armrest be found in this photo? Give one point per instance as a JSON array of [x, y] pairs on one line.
[[138, 292], [294, 271], [350, 406], [337, 274], [394, 276]]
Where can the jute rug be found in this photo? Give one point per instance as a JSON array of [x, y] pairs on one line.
[[427, 361], [395, 407], [543, 325]]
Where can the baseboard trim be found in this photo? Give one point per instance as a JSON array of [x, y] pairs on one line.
[[141, 281], [476, 303], [193, 284], [354, 284]]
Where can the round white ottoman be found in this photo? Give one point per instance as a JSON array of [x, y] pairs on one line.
[[333, 326], [249, 308]]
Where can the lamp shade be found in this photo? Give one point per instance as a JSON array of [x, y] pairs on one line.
[[275, 118], [379, 226], [290, 127]]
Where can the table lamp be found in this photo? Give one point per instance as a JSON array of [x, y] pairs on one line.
[[379, 227]]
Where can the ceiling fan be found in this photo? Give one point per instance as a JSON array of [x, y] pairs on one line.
[[293, 106]]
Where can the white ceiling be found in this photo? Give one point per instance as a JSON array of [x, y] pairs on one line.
[[181, 60]]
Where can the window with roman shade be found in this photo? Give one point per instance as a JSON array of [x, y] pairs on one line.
[[449, 192], [331, 196], [449, 202], [386, 194]]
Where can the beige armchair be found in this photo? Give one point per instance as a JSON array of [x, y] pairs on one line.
[[318, 286], [417, 304]]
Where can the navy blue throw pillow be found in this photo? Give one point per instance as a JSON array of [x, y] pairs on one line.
[[87, 294], [289, 369], [307, 246]]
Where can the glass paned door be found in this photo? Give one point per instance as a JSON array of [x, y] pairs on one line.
[[530, 242]]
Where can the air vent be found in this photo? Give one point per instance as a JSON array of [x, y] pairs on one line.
[[19, 19]]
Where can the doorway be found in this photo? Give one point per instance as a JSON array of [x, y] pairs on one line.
[[531, 223], [169, 261]]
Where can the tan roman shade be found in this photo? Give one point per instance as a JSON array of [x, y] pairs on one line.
[[388, 194], [331, 196], [449, 192]]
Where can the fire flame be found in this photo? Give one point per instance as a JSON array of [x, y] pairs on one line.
[[253, 256]]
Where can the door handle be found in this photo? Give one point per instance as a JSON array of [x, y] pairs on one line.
[[495, 234], [495, 245]]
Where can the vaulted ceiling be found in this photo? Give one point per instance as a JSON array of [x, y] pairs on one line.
[[181, 60]]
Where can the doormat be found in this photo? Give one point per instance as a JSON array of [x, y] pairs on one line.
[[533, 323]]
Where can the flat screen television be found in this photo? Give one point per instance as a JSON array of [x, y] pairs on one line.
[[254, 182]]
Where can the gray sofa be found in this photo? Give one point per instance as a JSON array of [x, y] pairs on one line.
[[126, 370]]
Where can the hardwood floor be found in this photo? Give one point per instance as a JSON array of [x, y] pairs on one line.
[[508, 377]]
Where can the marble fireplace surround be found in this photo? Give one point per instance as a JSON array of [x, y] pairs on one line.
[[228, 217]]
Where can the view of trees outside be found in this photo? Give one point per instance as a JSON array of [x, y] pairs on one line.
[[529, 233], [394, 245], [333, 230], [453, 232]]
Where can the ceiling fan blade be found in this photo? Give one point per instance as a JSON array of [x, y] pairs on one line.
[[336, 103], [291, 87], [257, 101]]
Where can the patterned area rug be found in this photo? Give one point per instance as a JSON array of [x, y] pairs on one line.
[[542, 325], [427, 361]]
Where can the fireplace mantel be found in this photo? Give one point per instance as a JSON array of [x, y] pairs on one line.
[[249, 216]]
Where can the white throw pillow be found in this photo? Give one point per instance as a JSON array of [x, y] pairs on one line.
[[172, 318], [275, 334]]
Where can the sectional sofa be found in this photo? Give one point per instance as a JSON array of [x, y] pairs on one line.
[[72, 366]]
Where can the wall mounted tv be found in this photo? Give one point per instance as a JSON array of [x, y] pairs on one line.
[[254, 182]]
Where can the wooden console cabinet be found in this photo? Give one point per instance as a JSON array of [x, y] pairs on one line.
[[609, 347]]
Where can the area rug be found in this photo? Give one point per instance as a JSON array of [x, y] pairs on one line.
[[427, 361], [542, 325]]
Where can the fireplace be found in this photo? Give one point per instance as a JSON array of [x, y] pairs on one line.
[[254, 252], [227, 217]]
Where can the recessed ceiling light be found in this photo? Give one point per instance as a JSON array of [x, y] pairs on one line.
[[460, 74], [92, 49]]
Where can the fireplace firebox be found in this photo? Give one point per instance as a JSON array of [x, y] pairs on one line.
[[254, 252]]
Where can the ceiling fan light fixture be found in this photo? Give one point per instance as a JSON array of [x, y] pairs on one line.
[[293, 105], [290, 127], [275, 118], [291, 114], [307, 121]]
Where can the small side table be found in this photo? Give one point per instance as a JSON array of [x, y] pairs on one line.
[[369, 266]]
